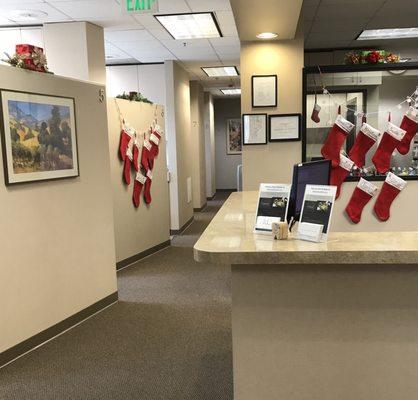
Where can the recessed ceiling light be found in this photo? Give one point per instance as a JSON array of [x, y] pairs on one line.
[[27, 15], [231, 92], [267, 35], [190, 25], [220, 71], [398, 33]]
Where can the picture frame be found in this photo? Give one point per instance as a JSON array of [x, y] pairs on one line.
[[264, 90], [285, 127], [38, 137], [234, 136], [254, 129]]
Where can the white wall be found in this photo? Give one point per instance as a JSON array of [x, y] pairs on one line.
[[138, 229], [57, 238], [226, 165], [179, 144], [10, 37], [197, 103], [148, 79]]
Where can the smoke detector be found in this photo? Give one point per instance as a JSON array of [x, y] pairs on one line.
[[27, 15]]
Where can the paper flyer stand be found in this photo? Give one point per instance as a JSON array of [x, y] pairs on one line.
[[315, 220], [272, 206]]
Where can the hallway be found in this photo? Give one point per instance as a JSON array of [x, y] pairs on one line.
[[168, 337]]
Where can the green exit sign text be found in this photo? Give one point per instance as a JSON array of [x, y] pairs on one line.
[[139, 6]]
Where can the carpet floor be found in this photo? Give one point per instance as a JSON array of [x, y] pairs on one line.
[[168, 338]]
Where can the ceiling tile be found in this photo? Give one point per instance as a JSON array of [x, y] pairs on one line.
[[52, 14], [173, 6], [212, 5], [227, 23], [129, 35], [337, 12], [89, 10]]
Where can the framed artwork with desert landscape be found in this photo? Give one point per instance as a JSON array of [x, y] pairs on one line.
[[39, 138]]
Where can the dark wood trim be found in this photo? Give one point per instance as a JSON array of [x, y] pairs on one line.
[[201, 208], [137, 257], [210, 198], [361, 67], [276, 89], [49, 333], [177, 232], [226, 190]]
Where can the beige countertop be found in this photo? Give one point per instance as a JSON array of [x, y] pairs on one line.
[[229, 239]]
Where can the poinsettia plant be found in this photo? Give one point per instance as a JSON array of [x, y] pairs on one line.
[[371, 57]]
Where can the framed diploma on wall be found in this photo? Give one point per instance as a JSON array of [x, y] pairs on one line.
[[264, 91], [285, 127], [254, 129]]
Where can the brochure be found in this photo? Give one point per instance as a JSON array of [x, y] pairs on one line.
[[272, 206], [316, 214]]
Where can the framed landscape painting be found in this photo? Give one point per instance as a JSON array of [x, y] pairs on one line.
[[39, 138], [233, 137]]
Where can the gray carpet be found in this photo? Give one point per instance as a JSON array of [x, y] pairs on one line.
[[169, 337]]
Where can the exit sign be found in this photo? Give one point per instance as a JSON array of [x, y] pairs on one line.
[[139, 6]]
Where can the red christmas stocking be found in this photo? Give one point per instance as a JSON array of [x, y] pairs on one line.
[[146, 150], [137, 154], [362, 194], [336, 138], [128, 162], [125, 137], [365, 140], [155, 141], [391, 188], [138, 185], [410, 125], [338, 174], [315, 112], [147, 190], [390, 140]]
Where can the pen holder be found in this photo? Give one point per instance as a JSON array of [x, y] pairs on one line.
[[280, 230]]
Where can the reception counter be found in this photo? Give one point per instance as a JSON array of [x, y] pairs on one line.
[[325, 321]]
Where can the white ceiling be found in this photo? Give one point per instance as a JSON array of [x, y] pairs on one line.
[[337, 23], [141, 38]]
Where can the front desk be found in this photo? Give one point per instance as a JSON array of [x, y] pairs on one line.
[[318, 321]]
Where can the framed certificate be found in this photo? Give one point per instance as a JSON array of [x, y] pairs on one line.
[[254, 129], [264, 91], [285, 127]]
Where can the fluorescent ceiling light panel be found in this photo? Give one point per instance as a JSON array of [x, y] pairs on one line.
[[190, 25], [398, 33], [220, 71], [231, 92]]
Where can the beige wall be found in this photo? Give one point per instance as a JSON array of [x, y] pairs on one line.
[[56, 238], [402, 217], [138, 229], [179, 147], [226, 164], [197, 115], [83, 43], [210, 145], [272, 162]]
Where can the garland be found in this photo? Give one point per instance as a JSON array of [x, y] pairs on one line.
[[134, 96]]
